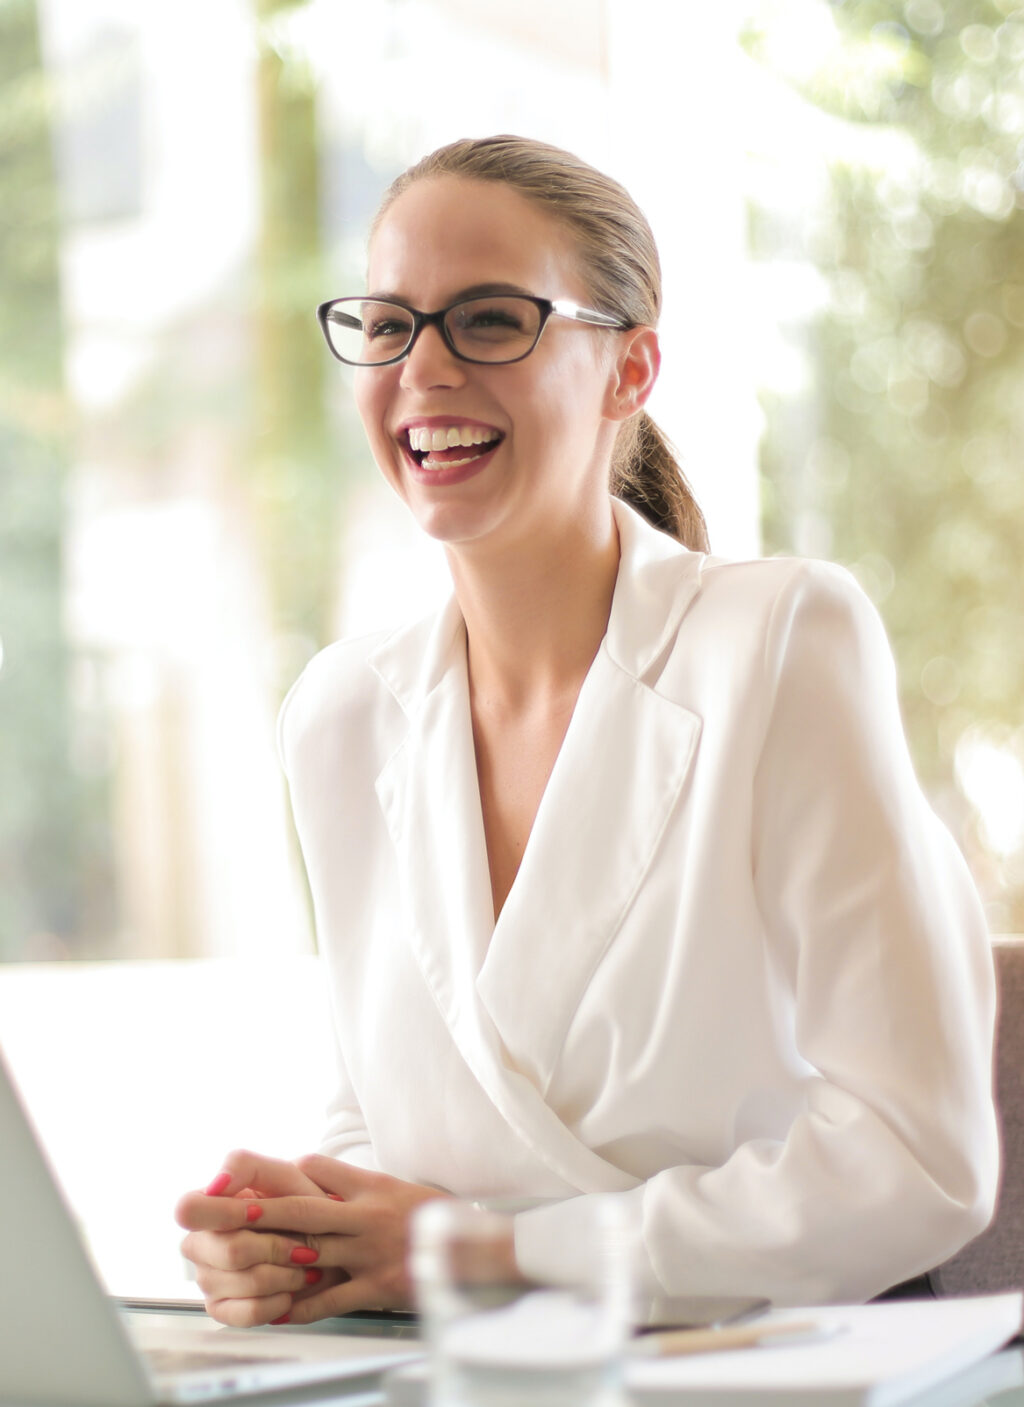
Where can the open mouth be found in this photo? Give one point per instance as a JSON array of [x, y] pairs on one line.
[[450, 446]]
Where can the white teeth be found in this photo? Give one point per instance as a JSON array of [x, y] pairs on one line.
[[423, 439], [437, 464]]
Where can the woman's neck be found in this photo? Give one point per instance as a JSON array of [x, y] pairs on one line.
[[536, 616]]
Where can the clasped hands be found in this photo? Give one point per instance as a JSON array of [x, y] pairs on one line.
[[280, 1242]]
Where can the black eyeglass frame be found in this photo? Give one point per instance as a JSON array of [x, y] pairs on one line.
[[547, 307]]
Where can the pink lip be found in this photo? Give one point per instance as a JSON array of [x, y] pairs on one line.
[[451, 474], [456, 474], [426, 422]]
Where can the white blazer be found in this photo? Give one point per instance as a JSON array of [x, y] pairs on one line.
[[742, 978]]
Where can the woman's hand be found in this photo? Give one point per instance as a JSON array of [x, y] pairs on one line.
[[362, 1231], [302, 1241], [246, 1275]]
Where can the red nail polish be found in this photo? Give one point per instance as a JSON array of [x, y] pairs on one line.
[[253, 1211], [334, 1197], [304, 1255], [218, 1184], [283, 1319], [313, 1277]]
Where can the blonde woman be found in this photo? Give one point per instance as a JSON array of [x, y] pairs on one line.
[[623, 880]]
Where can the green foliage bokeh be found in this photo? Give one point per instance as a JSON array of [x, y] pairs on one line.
[[907, 448]]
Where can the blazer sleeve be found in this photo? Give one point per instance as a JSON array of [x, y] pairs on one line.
[[345, 1134], [880, 955]]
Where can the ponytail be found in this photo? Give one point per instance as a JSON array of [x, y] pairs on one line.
[[647, 476]]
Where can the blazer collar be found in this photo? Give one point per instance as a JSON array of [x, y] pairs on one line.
[[664, 578]]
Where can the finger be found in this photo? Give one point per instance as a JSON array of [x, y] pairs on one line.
[[242, 1250], [247, 1310], [309, 1216], [317, 1280], [245, 1313], [272, 1177], [342, 1179], [198, 1212], [344, 1298], [247, 1177], [255, 1283]]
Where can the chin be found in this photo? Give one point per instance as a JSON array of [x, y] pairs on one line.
[[451, 529], [452, 517]]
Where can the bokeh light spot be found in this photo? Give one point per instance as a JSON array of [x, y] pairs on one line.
[[990, 775], [985, 334]]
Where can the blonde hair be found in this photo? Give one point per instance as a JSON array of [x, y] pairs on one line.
[[623, 274]]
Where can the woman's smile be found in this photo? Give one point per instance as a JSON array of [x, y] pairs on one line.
[[439, 448]]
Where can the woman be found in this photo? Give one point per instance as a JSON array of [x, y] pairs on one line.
[[622, 877]]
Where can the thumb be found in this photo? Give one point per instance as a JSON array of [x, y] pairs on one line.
[[337, 1179], [243, 1171]]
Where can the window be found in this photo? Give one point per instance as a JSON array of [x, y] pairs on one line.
[[187, 511]]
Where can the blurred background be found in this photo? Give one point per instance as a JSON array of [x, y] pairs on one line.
[[187, 510]]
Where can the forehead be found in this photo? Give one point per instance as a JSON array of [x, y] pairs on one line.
[[446, 234]]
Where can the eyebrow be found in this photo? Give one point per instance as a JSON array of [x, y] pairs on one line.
[[478, 290]]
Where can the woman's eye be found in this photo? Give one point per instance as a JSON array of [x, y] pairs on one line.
[[482, 322], [385, 327], [496, 317], [480, 319]]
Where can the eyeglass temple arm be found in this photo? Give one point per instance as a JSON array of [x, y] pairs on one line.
[[345, 319], [565, 309]]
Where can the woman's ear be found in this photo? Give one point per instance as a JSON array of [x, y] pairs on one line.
[[636, 370]]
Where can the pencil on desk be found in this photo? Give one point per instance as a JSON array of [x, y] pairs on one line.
[[678, 1341]]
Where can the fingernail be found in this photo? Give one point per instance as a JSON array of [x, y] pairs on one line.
[[334, 1197], [304, 1255], [313, 1277], [253, 1211], [218, 1184], [283, 1319]]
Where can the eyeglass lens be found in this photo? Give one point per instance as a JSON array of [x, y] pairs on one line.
[[497, 329]]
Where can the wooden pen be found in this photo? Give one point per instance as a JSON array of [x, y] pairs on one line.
[[674, 1342]]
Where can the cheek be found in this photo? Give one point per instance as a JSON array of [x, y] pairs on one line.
[[568, 398], [365, 391], [371, 393]]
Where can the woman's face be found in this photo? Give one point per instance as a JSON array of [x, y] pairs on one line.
[[543, 425]]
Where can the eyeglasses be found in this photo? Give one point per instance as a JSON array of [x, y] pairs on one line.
[[495, 330]]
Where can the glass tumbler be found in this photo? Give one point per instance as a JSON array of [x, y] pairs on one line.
[[498, 1340]]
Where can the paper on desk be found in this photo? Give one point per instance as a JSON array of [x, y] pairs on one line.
[[874, 1355]]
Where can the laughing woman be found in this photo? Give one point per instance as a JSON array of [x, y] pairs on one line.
[[623, 880]]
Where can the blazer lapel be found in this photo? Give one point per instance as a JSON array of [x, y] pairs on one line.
[[617, 780], [430, 797]]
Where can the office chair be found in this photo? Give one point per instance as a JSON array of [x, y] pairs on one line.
[[995, 1260]]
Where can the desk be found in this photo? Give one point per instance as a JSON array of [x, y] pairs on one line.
[[997, 1381]]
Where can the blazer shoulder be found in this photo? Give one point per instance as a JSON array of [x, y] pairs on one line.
[[338, 689], [752, 620], [769, 596], [768, 578], [800, 625]]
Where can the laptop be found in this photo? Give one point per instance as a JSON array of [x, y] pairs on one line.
[[63, 1340]]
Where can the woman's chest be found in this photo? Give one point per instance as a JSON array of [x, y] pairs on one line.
[[515, 754]]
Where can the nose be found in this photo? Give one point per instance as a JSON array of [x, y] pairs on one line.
[[431, 362]]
